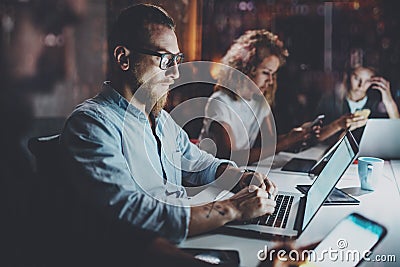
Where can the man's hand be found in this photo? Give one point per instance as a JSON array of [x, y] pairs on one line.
[[251, 202], [248, 203], [226, 174], [250, 177], [383, 86], [351, 121]]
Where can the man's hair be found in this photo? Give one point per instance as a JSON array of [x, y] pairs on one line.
[[249, 50], [131, 28]]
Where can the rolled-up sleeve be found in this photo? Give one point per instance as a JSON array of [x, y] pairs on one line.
[[199, 167], [100, 174]]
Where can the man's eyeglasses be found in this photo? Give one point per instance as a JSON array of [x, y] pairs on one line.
[[166, 59]]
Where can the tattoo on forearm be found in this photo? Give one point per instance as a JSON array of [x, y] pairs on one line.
[[217, 208]]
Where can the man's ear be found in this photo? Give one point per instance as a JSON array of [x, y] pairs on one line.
[[121, 57]]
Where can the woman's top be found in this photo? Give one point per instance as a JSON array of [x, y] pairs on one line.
[[245, 117]]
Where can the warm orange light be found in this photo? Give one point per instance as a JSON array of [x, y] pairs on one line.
[[214, 70], [195, 32]]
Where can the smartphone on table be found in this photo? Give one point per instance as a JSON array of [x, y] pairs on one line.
[[349, 243], [215, 256]]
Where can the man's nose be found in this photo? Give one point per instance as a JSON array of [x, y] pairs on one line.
[[173, 72]]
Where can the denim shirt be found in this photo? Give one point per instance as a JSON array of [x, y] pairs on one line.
[[118, 169]]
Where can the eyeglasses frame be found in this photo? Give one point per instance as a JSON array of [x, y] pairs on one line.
[[161, 55]]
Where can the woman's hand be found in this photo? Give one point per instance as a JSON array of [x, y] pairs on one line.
[[298, 135], [304, 132]]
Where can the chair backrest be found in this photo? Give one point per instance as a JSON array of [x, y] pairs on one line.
[[55, 207], [51, 176], [46, 151], [74, 233]]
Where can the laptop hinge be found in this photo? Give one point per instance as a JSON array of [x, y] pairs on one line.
[[298, 223]]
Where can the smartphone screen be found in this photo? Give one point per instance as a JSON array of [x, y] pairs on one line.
[[215, 256], [348, 243]]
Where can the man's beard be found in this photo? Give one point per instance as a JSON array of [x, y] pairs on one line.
[[157, 105], [144, 94]]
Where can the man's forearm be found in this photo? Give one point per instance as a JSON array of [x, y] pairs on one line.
[[392, 109], [227, 177], [250, 202], [211, 216], [217, 213]]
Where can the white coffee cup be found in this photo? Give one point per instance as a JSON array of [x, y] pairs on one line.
[[370, 169]]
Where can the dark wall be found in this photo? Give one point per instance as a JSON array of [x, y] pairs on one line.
[[369, 26]]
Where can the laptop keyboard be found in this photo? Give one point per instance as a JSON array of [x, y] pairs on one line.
[[281, 214]]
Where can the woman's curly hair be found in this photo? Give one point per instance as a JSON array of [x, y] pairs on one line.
[[248, 51]]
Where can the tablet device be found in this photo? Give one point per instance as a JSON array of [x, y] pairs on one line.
[[336, 197], [299, 165]]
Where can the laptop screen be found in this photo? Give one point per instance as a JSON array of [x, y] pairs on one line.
[[342, 157], [380, 139]]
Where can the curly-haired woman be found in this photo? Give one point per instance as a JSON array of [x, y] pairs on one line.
[[239, 119]]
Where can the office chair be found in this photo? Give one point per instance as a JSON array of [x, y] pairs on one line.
[[54, 208], [72, 233]]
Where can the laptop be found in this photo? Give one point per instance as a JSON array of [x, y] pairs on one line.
[[294, 211], [310, 167], [380, 139]]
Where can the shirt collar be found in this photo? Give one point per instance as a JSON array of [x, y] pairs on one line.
[[114, 97]]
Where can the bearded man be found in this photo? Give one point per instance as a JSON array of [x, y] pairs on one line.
[[129, 159]]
